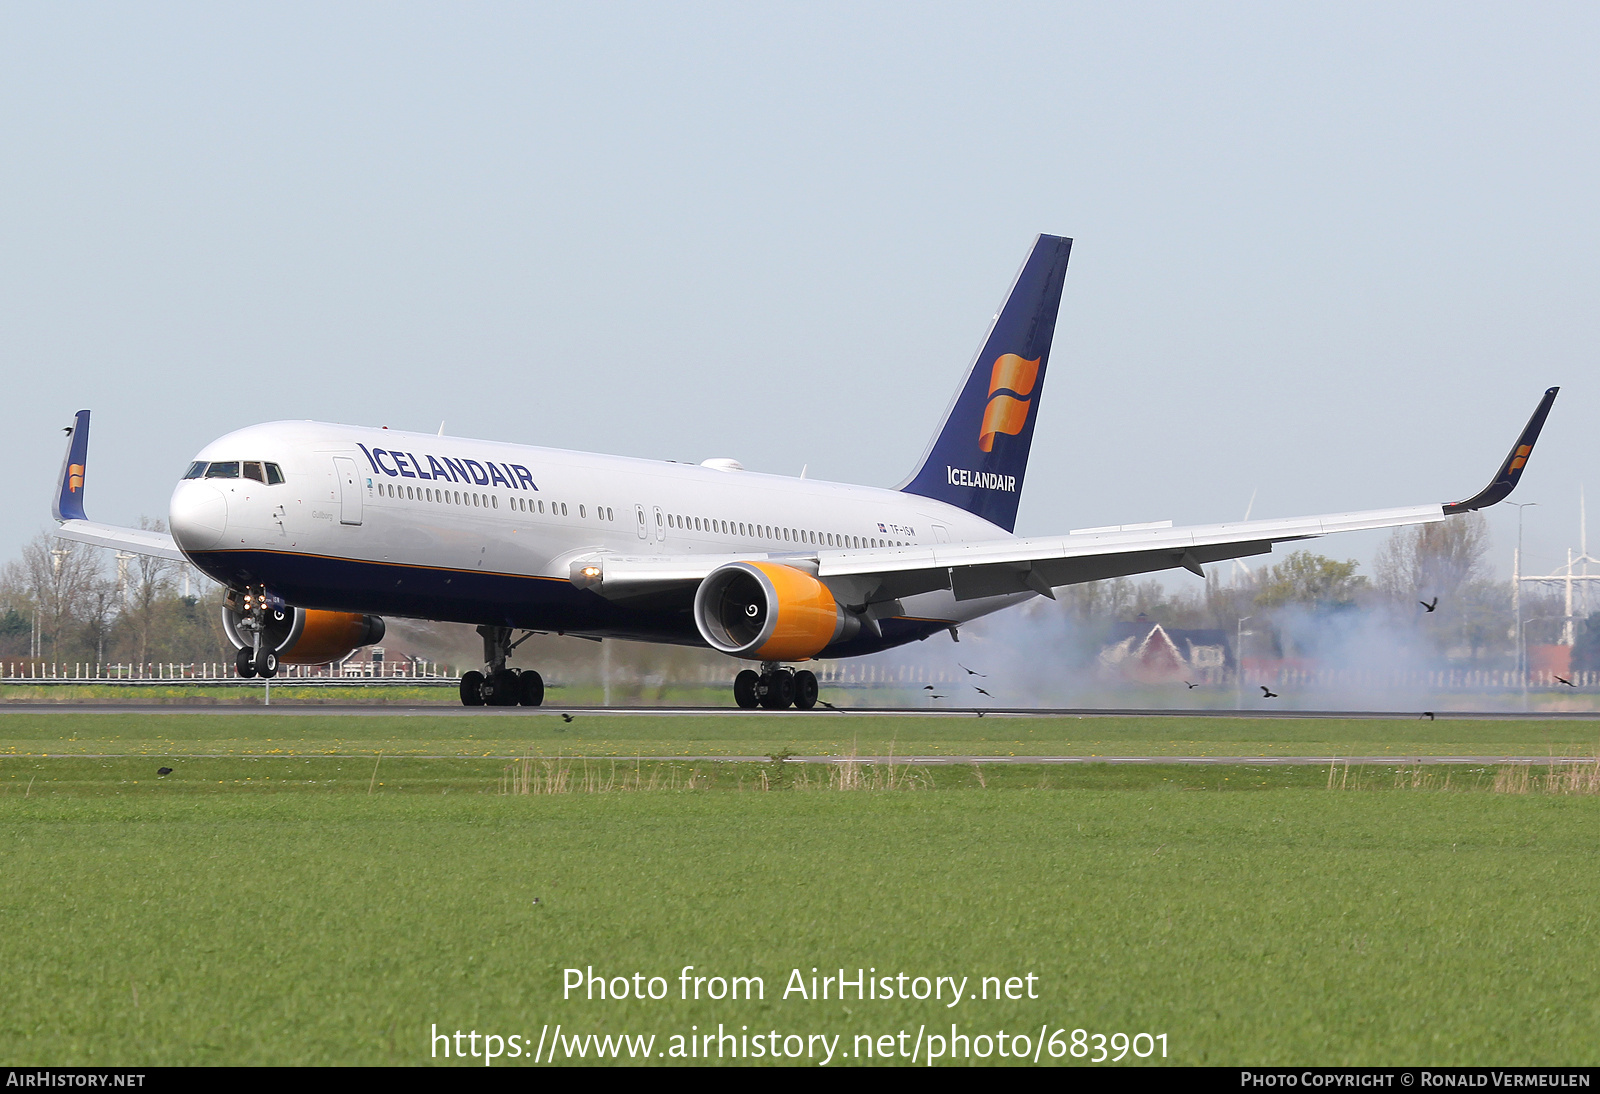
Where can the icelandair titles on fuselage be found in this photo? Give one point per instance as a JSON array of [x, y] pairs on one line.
[[983, 480], [513, 476]]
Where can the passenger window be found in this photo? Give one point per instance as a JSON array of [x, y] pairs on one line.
[[252, 470], [196, 470], [581, 512], [274, 474], [410, 496], [495, 499], [227, 470]]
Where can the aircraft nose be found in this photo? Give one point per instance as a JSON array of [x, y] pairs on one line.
[[198, 516]]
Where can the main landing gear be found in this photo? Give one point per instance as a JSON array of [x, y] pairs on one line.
[[501, 686], [775, 689]]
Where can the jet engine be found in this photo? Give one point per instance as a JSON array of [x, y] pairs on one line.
[[767, 611], [300, 636]]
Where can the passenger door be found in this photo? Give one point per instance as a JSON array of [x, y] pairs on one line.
[[639, 522], [349, 490]]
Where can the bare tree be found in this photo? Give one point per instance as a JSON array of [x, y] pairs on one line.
[[150, 582], [1428, 560], [60, 575]]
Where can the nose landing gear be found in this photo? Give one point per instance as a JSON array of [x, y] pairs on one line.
[[775, 688], [256, 615], [501, 686]]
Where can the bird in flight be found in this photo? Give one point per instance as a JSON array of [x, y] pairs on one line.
[[1428, 714], [565, 717], [980, 691], [830, 706], [1190, 686], [1564, 680], [163, 771], [927, 687], [969, 672], [1429, 606], [1265, 694]]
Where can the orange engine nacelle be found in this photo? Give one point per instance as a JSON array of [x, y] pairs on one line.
[[766, 611], [306, 637]]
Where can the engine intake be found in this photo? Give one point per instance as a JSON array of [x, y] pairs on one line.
[[766, 611], [301, 636]]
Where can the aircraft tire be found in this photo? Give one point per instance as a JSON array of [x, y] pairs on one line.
[[780, 691], [530, 688], [245, 664], [501, 689], [805, 690], [266, 663], [744, 690], [472, 689]]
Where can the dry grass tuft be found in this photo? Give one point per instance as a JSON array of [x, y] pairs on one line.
[[1578, 776], [531, 775]]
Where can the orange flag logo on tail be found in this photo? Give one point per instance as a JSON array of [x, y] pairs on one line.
[[1521, 457], [1010, 383], [74, 478]]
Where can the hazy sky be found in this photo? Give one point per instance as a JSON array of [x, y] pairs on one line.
[[1331, 254]]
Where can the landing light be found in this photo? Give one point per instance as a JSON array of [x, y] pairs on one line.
[[591, 571]]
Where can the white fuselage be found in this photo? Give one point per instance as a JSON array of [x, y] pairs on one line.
[[360, 509]]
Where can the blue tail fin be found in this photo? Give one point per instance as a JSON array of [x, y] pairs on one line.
[[978, 457], [69, 491]]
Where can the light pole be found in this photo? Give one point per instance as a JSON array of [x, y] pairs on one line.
[[1516, 600], [1238, 659]]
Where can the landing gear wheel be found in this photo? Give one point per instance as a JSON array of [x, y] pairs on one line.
[[266, 663], [530, 687], [500, 689], [244, 662], [744, 689], [780, 690], [805, 690], [472, 689]]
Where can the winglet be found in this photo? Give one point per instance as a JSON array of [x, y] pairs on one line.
[[1510, 471], [69, 489]]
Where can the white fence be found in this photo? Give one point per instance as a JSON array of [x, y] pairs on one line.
[[222, 672], [1424, 679]]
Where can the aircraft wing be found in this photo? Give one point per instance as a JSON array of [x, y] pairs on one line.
[[137, 540], [1042, 564]]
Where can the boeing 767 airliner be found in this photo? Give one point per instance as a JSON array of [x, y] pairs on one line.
[[318, 531]]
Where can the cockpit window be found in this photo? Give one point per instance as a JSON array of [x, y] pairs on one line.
[[252, 470], [274, 474], [196, 469], [228, 469]]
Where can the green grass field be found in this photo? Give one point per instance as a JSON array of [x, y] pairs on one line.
[[303, 908], [158, 733]]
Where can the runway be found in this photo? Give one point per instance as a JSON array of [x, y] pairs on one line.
[[444, 710]]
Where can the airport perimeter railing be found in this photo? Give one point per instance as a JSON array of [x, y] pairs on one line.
[[348, 674], [846, 675], [1482, 680], [428, 674]]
